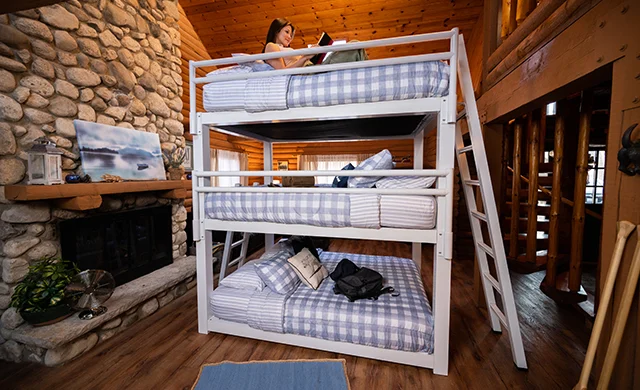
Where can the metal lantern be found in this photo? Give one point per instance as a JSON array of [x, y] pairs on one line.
[[45, 163]]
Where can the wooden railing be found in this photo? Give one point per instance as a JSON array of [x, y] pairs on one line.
[[568, 288], [523, 26]]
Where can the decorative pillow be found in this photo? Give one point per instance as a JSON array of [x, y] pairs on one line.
[[405, 182], [244, 278], [382, 160], [308, 268], [341, 181], [277, 274]]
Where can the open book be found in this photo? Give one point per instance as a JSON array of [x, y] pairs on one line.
[[325, 40]]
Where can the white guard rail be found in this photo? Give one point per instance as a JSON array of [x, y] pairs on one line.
[[451, 56]]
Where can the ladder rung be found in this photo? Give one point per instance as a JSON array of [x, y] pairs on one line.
[[234, 261], [237, 243], [500, 314], [472, 182], [465, 149], [462, 114], [493, 281], [480, 215], [486, 249]]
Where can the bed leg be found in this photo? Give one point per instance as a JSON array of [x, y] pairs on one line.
[[204, 272], [268, 166], [416, 254], [441, 313]]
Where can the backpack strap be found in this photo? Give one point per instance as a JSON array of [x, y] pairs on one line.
[[386, 290]]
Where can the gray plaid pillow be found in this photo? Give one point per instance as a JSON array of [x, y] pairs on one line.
[[382, 160], [277, 274]]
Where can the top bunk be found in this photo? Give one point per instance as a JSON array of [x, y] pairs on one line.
[[373, 99]]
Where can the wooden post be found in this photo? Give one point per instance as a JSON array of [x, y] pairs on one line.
[[502, 191], [508, 18], [534, 162], [556, 195], [515, 190], [577, 222], [491, 34], [524, 8]]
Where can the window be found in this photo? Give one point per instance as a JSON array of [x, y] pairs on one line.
[[551, 109], [225, 160], [595, 175], [329, 163]]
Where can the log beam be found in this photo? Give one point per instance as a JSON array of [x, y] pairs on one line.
[[80, 203], [517, 35], [525, 48], [582, 164], [178, 193]]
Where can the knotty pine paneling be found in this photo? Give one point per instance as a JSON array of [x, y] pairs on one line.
[[240, 26]]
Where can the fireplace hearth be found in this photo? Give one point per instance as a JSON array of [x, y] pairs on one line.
[[127, 244]]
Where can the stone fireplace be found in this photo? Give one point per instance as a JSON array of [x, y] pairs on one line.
[[115, 62]]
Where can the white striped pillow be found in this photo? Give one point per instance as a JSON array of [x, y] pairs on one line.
[[382, 160], [244, 278], [406, 182]]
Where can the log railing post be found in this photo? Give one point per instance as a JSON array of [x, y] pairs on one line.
[[582, 163], [509, 8], [534, 163], [524, 8], [556, 196], [504, 185], [515, 190]]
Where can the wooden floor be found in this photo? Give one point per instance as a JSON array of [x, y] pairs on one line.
[[165, 351]]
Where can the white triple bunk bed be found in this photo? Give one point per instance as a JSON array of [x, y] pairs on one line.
[[439, 111]]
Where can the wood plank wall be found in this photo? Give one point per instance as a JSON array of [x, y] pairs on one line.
[[191, 48], [240, 26], [290, 152]]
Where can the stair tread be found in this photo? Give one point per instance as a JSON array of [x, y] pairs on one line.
[[540, 236]]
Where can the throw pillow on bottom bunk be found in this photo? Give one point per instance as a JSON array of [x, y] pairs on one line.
[[358, 283], [277, 274], [308, 268]]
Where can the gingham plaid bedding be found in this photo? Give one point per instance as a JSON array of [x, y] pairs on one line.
[[329, 210], [401, 323], [381, 83]]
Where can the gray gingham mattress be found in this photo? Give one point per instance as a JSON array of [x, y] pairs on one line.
[[364, 85], [327, 210], [402, 323]]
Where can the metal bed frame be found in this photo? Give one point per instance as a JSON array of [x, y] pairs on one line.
[[440, 112]]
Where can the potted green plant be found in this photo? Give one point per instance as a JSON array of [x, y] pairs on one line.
[[40, 297], [173, 161]]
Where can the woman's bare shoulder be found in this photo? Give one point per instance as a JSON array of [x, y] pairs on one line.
[[271, 47]]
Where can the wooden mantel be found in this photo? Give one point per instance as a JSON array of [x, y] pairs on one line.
[[87, 196]]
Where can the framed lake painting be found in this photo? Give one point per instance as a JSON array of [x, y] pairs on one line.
[[130, 154]]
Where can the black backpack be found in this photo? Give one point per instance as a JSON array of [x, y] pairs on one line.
[[358, 283]]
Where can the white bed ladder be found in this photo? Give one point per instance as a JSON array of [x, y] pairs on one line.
[[501, 282], [229, 244]]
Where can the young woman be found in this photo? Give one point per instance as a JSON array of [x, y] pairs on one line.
[[279, 38]]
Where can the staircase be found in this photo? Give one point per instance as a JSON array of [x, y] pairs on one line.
[[544, 230]]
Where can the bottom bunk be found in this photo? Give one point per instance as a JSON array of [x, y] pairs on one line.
[[325, 209], [396, 328]]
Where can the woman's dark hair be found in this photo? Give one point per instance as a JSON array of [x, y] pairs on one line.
[[277, 25]]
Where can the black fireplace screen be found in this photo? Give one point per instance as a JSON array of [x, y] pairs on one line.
[[128, 244]]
